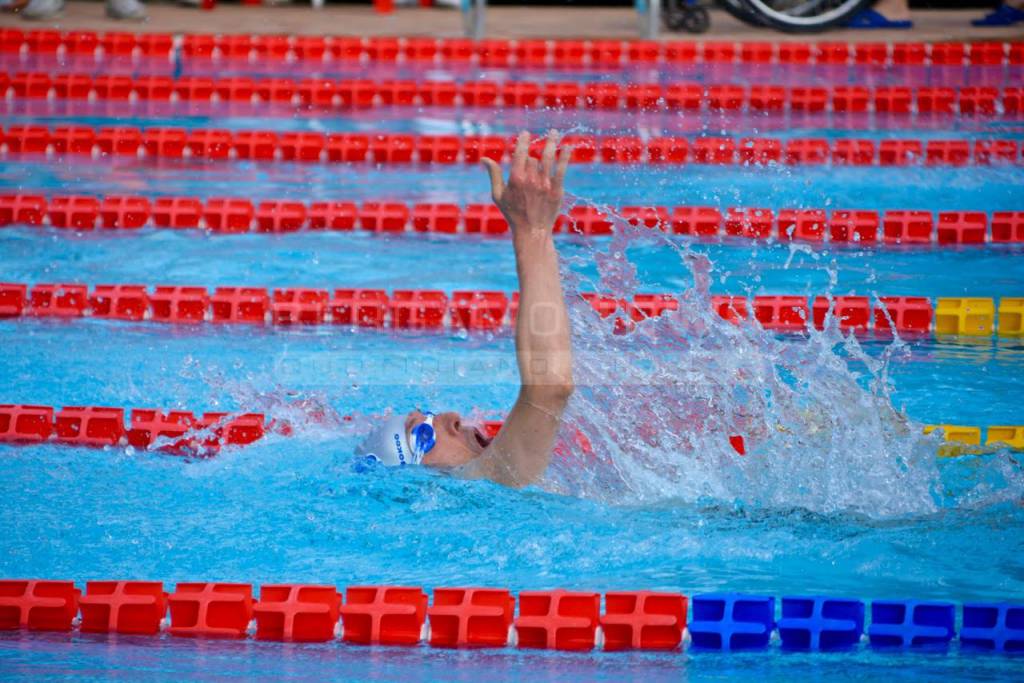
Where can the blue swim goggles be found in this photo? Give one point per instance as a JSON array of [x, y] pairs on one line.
[[422, 437]]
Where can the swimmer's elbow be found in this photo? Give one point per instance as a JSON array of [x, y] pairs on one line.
[[551, 393], [566, 389]]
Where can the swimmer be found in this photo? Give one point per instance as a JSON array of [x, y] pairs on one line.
[[530, 200]]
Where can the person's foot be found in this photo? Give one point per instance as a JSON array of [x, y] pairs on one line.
[[42, 9], [1004, 15], [870, 18], [132, 10]]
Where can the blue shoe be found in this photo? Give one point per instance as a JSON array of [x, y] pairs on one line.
[[869, 18], [1004, 15]]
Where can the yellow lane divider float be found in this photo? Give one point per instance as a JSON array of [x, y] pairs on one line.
[[976, 317], [966, 439]]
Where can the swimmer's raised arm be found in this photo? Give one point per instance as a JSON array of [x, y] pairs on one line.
[[519, 454], [531, 201]]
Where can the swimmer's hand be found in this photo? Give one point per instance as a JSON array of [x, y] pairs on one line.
[[532, 197]]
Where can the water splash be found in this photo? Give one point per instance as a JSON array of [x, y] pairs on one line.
[[659, 400], [658, 408]]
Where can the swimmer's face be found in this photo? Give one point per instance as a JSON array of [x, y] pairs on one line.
[[457, 443]]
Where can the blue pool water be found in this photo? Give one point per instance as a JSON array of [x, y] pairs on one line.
[[839, 495]]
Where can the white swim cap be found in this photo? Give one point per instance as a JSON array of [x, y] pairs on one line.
[[388, 444]]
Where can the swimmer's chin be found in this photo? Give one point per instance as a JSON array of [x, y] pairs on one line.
[[451, 465]]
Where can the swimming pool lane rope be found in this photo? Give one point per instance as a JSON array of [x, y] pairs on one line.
[[176, 432], [28, 141], [488, 617], [479, 310], [184, 433], [242, 95], [179, 432], [278, 51], [904, 228]]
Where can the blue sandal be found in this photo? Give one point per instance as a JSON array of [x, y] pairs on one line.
[[869, 19], [1004, 15]]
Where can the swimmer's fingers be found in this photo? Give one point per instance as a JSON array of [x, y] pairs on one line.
[[533, 174], [547, 157], [564, 156], [520, 155], [497, 183]]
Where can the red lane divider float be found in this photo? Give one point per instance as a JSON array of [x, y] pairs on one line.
[[241, 215], [471, 617], [369, 615], [404, 149], [319, 94], [386, 615], [211, 610], [196, 49], [297, 613], [558, 620], [424, 309], [131, 607], [178, 432]]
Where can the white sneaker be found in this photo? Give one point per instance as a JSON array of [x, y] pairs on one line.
[[132, 10], [42, 9]]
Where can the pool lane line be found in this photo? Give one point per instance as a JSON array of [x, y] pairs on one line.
[[961, 440], [219, 145], [577, 620], [435, 310], [181, 432], [292, 51], [178, 432], [237, 215], [323, 96]]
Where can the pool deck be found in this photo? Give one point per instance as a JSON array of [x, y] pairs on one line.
[[503, 22]]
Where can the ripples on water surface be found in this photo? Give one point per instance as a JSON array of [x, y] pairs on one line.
[[839, 493]]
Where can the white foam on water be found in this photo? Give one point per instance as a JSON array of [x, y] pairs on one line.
[[659, 403]]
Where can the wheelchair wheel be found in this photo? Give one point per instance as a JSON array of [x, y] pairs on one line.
[[806, 16], [682, 17], [740, 11]]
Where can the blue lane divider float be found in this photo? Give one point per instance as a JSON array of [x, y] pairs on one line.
[[993, 626], [732, 621], [912, 623], [820, 623]]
